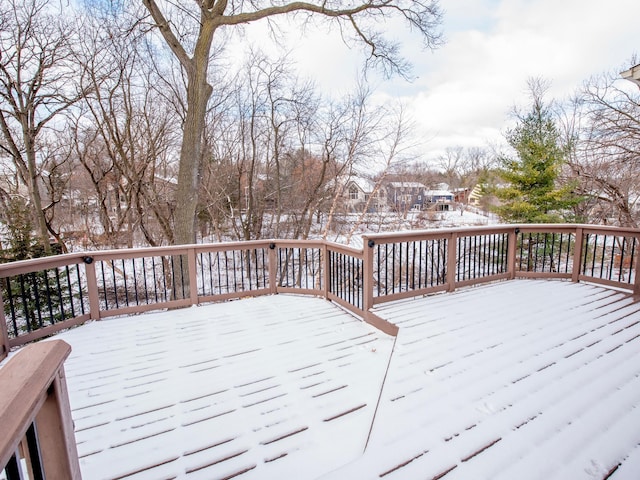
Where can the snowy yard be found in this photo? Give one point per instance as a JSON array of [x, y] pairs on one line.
[[521, 379]]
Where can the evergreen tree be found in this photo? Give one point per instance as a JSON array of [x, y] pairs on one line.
[[531, 193]]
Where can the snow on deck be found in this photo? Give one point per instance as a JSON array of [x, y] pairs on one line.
[[521, 379], [259, 386]]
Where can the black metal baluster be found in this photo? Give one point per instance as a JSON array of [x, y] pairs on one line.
[[13, 469], [226, 269], [586, 251], [35, 456], [115, 289], [632, 261], [59, 290], [604, 248], [126, 287], [25, 302], [155, 278], [182, 276], [12, 308], [164, 265], [80, 290], [104, 286], [219, 270], [544, 251], [620, 267], [210, 273], [47, 287], [36, 297], [135, 281], [144, 279], [551, 252], [202, 277], [435, 261], [520, 238]]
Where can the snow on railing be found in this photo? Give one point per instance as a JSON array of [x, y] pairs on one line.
[[44, 295]]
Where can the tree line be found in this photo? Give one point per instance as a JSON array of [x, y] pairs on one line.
[[116, 129], [125, 123]]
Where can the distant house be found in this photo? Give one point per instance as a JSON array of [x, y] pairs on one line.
[[475, 195], [404, 196], [358, 191], [439, 200]]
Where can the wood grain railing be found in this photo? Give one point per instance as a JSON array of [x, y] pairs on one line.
[[45, 295], [37, 430]]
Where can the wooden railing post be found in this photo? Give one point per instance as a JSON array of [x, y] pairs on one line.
[[34, 403], [92, 287], [367, 273], [4, 334], [452, 259], [577, 255], [326, 267], [512, 241], [56, 433], [193, 277]]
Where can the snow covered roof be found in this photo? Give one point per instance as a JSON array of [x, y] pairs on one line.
[[363, 184], [438, 193], [485, 383], [406, 185]]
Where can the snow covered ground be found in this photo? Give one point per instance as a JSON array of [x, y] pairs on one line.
[[521, 379]]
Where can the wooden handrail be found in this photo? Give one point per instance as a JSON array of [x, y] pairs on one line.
[[34, 392], [92, 292]]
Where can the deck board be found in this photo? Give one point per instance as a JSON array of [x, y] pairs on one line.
[[529, 383], [517, 379]]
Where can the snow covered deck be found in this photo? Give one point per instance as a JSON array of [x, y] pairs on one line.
[[519, 379]]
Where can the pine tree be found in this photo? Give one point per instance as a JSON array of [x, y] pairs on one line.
[[531, 193]]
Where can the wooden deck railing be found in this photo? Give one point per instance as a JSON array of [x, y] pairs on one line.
[[45, 295], [37, 430]]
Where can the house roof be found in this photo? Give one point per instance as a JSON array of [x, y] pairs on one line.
[[363, 184], [438, 193], [487, 382], [406, 185]]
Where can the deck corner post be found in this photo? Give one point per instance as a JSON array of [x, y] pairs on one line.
[[452, 259], [367, 272], [193, 278], [56, 432], [577, 255], [273, 268], [92, 288], [326, 265]]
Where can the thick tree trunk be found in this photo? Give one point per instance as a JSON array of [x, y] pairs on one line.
[[198, 93], [36, 197]]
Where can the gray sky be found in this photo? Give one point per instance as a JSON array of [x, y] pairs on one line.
[[465, 90]]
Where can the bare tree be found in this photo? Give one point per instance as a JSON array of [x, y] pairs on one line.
[[606, 160], [124, 134], [462, 168], [193, 50], [37, 84], [394, 146]]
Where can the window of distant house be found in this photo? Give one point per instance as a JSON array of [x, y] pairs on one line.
[[353, 192]]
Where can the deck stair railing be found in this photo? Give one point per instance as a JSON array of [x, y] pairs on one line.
[[44, 295], [37, 440]]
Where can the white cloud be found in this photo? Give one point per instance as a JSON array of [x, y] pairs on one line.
[[464, 91], [468, 87]]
